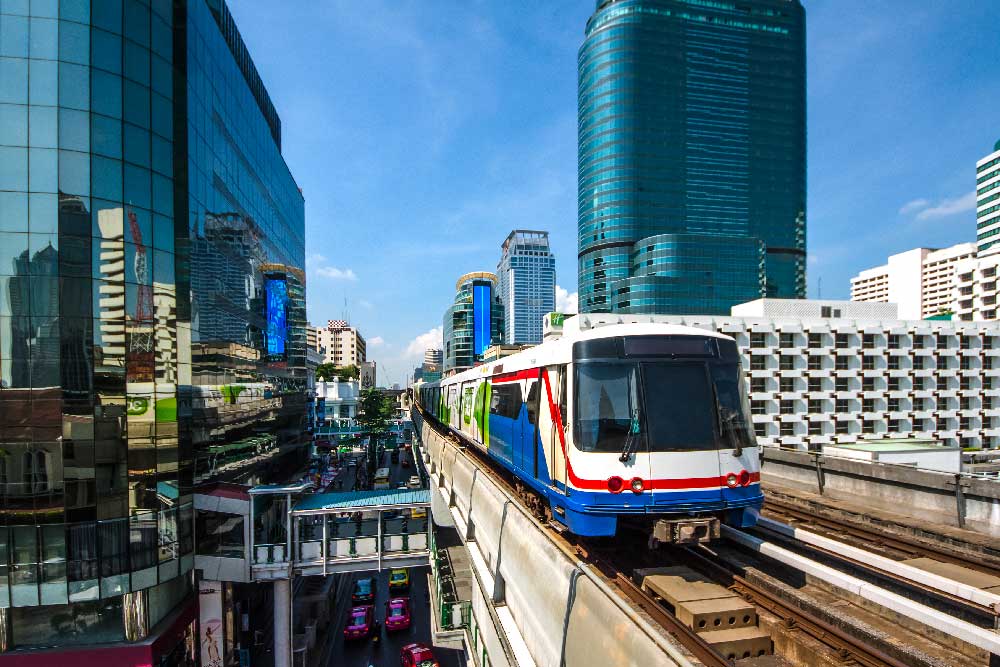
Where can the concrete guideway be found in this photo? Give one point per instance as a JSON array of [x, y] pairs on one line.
[[917, 575], [959, 500], [547, 607], [981, 638]]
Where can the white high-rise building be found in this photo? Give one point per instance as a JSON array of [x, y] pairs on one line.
[[342, 344], [988, 200], [919, 281], [974, 290], [526, 285]]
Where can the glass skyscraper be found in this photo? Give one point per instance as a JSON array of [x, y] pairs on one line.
[[692, 155], [526, 286], [145, 208], [473, 322]]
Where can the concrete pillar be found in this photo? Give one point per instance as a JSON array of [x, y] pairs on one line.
[[282, 623]]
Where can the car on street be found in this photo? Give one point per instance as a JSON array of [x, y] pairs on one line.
[[417, 655], [405, 462], [399, 579], [360, 622], [414, 482], [401, 486], [364, 591], [397, 614]]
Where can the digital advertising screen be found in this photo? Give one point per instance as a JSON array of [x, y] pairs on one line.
[[276, 293], [482, 298]]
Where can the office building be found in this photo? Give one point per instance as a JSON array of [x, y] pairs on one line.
[[312, 339], [691, 155], [430, 370], [343, 344], [526, 285], [151, 247], [919, 281], [818, 378], [988, 200], [473, 322]]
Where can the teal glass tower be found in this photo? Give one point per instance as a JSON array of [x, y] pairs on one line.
[[692, 155]]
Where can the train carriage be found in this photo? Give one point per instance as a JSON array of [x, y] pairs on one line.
[[641, 423]]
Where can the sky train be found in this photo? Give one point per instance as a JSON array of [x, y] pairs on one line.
[[642, 424]]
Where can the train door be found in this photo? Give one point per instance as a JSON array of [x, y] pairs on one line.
[[505, 405], [553, 419], [466, 402], [534, 455]]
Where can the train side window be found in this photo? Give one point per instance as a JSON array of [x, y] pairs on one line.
[[506, 400], [532, 401], [562, 394]]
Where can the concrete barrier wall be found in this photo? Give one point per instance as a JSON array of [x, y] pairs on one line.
[[563, 616], [891, 488]]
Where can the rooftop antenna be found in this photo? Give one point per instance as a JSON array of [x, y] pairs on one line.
[[819, 288]]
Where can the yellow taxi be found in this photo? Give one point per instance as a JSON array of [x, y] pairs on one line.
[[399, 579]]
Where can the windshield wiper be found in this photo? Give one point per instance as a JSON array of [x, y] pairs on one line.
[[632, 439], [724, 422]]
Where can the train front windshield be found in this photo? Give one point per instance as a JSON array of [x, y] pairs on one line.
[[661, 406]]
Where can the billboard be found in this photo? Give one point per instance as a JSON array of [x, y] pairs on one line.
[[482, 300], [276, 316], [367, 373]]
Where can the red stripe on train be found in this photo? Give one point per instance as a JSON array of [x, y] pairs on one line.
[[529, 374]]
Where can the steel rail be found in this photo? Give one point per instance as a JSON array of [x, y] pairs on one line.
[[791, 543], [901, 543], [686, 635], [836, 638]]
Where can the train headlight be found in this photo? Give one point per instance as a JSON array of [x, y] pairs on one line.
[[732, 481], [615, 484], [744, 478], [636, 485]]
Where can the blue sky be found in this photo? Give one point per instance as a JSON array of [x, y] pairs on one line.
[[422, 132]]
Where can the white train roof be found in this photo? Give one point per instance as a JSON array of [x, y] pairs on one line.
[[558, 349]]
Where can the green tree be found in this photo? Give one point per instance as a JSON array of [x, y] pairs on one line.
[[343, 373], [326, 372], [374, 411]]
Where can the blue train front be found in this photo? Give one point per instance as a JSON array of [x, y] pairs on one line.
[[643, 424]]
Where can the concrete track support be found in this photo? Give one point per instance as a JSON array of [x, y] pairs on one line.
[[282, 623]]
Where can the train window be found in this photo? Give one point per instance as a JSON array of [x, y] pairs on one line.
[[532, 401], [607, 406], [506, 400], [680, 410]]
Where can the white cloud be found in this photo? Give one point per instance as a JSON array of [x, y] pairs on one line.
[[431, 339], [376, 341], [914, 206], [566, 302], [926, 210], [316, 263], [335, 273]]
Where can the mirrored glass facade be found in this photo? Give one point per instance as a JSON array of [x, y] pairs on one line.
[[143, 202], [691, 136], [473, 322]]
